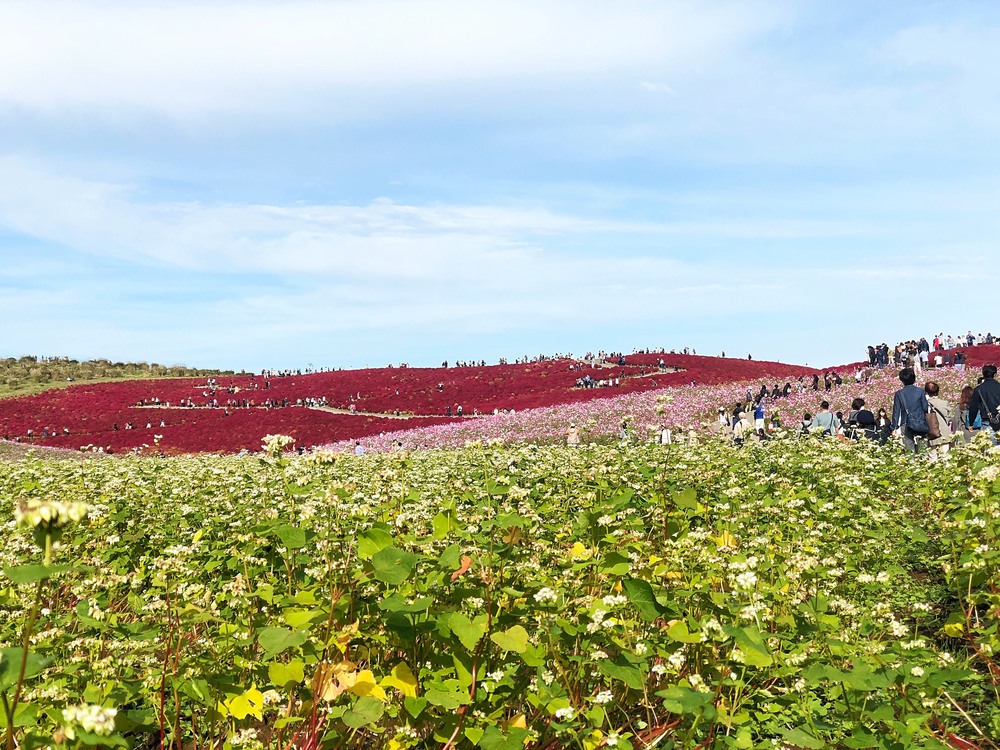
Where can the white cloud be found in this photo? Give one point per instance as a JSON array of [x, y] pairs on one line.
[[197, 58], [381, 240]]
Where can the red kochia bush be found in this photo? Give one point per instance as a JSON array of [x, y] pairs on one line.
[[90, 412]]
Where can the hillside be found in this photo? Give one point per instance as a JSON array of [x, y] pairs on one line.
[[419, 407], [192, 415], [25, 375]]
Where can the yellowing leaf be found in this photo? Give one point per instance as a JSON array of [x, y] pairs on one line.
[[402, 679], [365, 686], [513, 536], [954, 630], [517, 722], [330, 681], [250, 703], [345, 636], [725, 540]]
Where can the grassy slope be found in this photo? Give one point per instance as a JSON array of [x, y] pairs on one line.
[[29, 375]]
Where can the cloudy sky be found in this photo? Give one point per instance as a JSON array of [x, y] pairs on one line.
[[253, 184]]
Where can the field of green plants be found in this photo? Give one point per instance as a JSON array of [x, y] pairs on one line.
[[803, 593]]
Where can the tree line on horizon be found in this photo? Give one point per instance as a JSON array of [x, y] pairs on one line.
[[31, 373]]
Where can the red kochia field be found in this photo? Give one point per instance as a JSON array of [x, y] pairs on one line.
[[90, 412]]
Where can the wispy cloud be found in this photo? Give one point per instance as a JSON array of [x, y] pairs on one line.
[[196, 59]]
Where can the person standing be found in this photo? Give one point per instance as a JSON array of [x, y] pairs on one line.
[[743, 429], [725, 424], [572, 436], [985, 402], [909, 410], [944, 413]]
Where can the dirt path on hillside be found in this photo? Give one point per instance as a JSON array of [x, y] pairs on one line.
[[393, 415]]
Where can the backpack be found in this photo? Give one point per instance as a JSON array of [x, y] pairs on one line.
[[916, 421]]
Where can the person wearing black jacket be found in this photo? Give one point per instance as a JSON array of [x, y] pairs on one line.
[[861, 422], [909, 410], [986, 401]]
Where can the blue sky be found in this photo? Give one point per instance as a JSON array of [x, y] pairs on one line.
[[278, 184]]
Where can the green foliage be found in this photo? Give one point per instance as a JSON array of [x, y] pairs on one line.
[[807, 595], [33, 374]]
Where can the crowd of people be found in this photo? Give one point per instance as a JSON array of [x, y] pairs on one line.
[[923, 418], [921, 353]]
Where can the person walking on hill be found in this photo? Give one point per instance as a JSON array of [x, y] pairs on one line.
[[909, 410], [985, 402]]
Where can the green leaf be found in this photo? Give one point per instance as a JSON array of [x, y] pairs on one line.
[[451, 558], [620, 669], [513, 639], [10, 666], [615, 564], [396, 603], [393, 565], [414, 706], [511, 520], [751, 642], [861, 740], [640, 593], [276, 640], [534, 656], [371, 541], [467, 631], [366, 711], [449, 695], [473, 734], [679, 632], [34, 573], [494, 739], [862, 678], [291, 536], [678, 699], [444, 523], [26, 715], [284, 674], [296, 618], [686, 499], [804, 739]]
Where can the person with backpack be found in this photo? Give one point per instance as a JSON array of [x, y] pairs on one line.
[[861, 421], [909, 410], [825, 423], [985, 403]]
